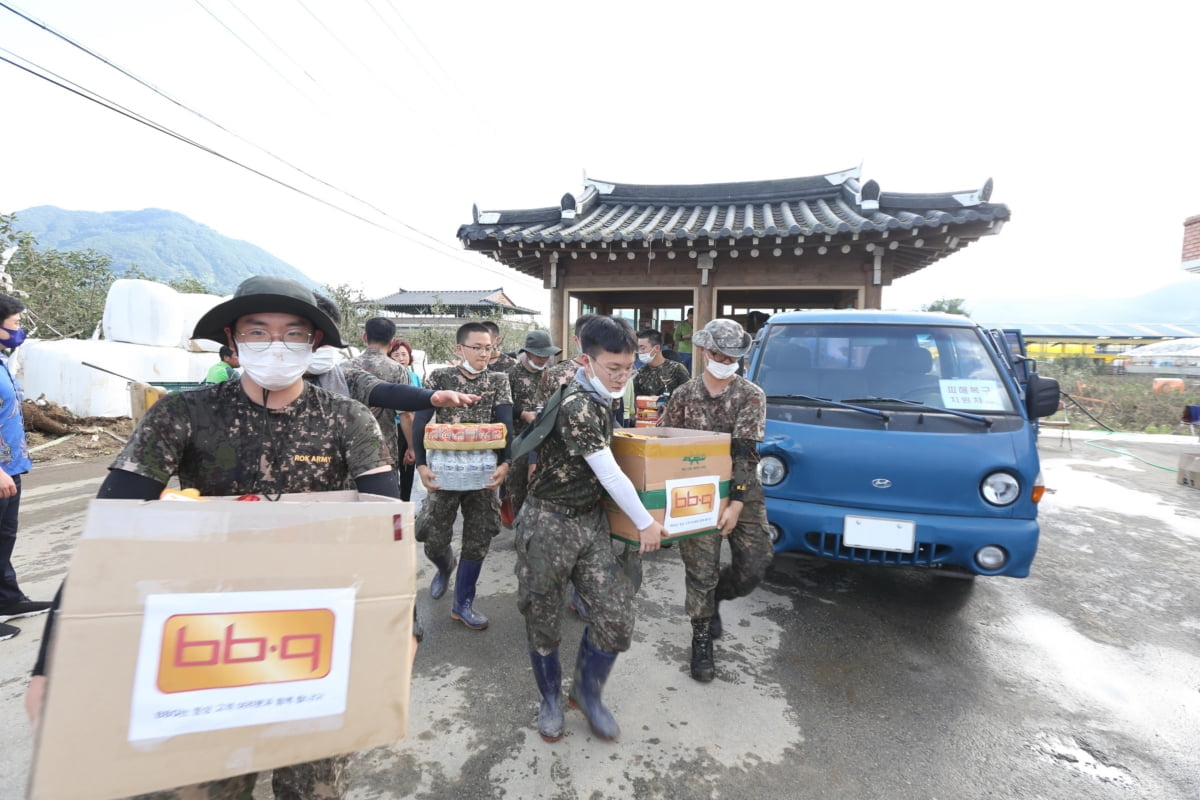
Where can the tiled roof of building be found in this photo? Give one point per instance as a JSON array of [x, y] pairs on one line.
[[829, 207], [422, 302]]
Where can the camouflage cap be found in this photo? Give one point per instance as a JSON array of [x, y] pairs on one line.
[[538, 343], [265, 294], [725, 336]]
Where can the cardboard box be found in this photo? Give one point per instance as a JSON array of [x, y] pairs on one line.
[[690, 468], [1189, 469], [202, 640]]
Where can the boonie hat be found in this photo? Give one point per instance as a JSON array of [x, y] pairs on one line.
[[538, 343], [725, 336], [265, 294]]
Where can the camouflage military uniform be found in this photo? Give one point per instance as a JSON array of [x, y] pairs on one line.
[[219, 442], [524, 383], [563, 534], [666, 377], [740, 411], [556, 375], [502, 364], [481, 508], [378, 363]]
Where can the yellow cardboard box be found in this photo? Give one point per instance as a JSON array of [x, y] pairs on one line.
[[203, 640], [682, 477]]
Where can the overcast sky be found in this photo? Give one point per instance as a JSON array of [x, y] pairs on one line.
[[406, 114]]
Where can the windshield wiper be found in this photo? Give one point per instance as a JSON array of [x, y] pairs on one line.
[[925, 407], [875, 412]]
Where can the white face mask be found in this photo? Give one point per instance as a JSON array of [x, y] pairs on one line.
[[275, 368], [645, 358], [535, 367], [467, 366], [599, 388], [323, 359], [722, 371]]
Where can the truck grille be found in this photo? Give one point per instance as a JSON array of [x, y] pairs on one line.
[[829, 545]]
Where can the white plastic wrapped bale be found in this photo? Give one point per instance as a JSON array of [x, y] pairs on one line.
[[56, 370], [193, 307], [143, 312]]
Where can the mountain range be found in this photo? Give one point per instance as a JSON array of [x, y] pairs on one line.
[[163, 244]]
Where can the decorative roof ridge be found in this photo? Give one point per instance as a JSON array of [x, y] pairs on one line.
[[732, 191], [923, 200]]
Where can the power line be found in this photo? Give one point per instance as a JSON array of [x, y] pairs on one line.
[[449, 78], [113, 106], [263, 33], [355, 56], [449, 250], [257, 54]]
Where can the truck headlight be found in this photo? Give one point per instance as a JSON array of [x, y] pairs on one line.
[[1000, 489], [771, 470]]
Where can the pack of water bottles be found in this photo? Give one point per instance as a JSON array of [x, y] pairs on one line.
[[462, 470]]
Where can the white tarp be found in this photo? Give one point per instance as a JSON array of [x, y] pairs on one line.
[[56, 370], [145, 312]]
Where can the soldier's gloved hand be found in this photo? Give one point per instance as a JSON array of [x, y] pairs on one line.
[[428, 479]]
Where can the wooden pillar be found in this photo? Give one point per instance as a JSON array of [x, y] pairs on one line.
[[552, 279]]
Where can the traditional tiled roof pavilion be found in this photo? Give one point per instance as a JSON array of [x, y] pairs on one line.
[[826, 241]]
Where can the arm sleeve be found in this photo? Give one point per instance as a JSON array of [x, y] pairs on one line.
[[504, 413], [745, 472], [619, 487], [380, 483], [401, 397], [420, 420], [124, 485]]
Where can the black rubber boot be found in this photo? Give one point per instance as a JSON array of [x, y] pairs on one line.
[[464, 596], [445, 565], [714, 625], [548, 673], [703, 668], [591, 673]]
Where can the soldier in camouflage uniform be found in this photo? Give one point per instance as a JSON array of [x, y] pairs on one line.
[[500, 361], [481, 509], [722, 401], [563, 372], [334, 374], [378, 333], [269, 433], [658, 375], [524, 379], [563, 534]]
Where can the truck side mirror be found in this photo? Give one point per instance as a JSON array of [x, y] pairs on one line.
[[1041, 396]]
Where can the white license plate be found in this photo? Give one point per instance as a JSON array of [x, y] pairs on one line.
[[877, 533]]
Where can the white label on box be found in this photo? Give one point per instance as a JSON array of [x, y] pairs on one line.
[[877, 533], [692, 504], [225, 660]]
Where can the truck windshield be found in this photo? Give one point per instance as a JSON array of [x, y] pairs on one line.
[[940, 366]]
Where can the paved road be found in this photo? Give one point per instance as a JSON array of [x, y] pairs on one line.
[[1078, 682]]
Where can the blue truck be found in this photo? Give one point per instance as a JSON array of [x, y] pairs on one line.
[[905, 439]]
